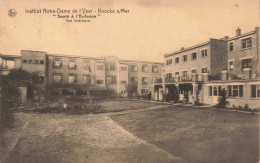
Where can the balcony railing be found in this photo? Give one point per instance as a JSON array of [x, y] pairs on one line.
[[193, 78]]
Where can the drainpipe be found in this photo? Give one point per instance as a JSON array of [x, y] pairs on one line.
[[257, 50]]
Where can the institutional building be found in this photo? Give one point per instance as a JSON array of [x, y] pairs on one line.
[[81, 75], [202, 71]]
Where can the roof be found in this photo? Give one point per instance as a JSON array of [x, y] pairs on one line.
[[242, 35], [136, 61]]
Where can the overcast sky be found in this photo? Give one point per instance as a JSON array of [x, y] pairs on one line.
[[151, 29]]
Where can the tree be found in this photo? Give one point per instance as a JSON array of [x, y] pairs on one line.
[[222, 100], [131, 89]]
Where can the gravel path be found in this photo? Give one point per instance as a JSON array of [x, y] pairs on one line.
[[82, 138]]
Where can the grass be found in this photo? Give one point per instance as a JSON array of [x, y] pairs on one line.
[[115, 105], [198, 135]]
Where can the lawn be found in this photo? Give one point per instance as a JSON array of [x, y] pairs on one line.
[[121, 104], [198, 135]]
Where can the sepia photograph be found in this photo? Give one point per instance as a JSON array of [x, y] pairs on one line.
[[119, 81]]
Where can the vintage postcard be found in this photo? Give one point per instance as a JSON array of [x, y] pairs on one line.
[[104, 81]]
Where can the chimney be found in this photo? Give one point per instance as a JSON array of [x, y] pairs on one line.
[[182, 48], [238, 32]]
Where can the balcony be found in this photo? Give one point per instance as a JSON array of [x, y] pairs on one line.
[[178, 79]]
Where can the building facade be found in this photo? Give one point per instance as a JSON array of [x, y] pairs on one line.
[[79, 75], [201, 72]]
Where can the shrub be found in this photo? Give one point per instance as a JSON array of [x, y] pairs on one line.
[[222, 100], [246, 107]]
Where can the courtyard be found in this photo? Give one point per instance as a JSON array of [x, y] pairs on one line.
[[134, 131]]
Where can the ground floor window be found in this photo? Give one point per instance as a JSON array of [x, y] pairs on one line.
[[123, 92], [235, 90], [214, 90], [100, 81], [255, 91]]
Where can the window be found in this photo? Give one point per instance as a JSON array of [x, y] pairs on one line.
[[122, 82], [194, 71], [111, 79], [57, 63], [154, 79], [231, 65], [169, 61], [30, 61], [41, 61], [100, 67], [72, 78], [231, 46], [57, 78], [24, 61], [111, 66], [154, 68], [134, 79], [144, 91], [246, 63], [86, 79], [144, 68], [134, 68], [86, 65], [177, 60], [177, 73], [255, 91], [246, 43], [123, 69], [144, 80], [194, 56], [204, 70], [169, 75], [235, 90], [204, 53], [185, 58], [72, 63], [100, 82], [214, 90], [184, 73], [36, 61]]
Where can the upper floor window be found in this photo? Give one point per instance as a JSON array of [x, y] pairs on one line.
[[154, 68], [57, 78], [72, 63], [133, 79], [100, 82], [177, 60], [194, 56], [194, 71], [36, 61], [144, 80], [169, 75], [41, 61], [144, 68], [72, 78], [57, 62], [123, 69], [184, 73], [246, 43], [24, 61], [185, 58], [111, 79], [111, 66], [246, 63], [255, 91], [122, 82], [204, 53], [231, 65], [204, 70], [177, 73], [100, 67], [134, 68], [235, 90], [169, 61], [231, 46], [86, 65]]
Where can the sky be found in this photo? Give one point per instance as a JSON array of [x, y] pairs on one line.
[[151, 29]]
